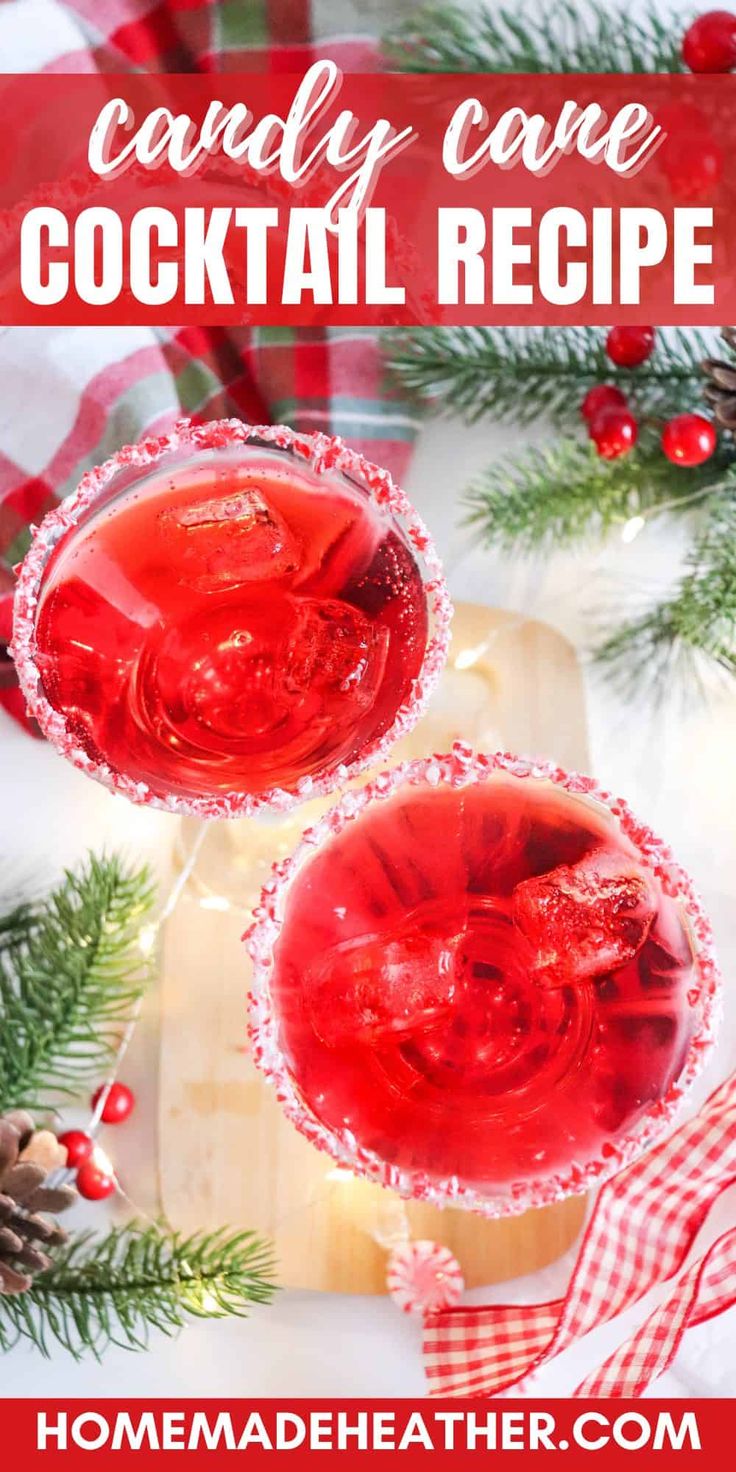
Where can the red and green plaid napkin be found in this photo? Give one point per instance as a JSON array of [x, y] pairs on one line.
[[70, 396]]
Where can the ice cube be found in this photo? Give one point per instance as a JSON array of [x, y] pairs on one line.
[[585, 920], [244, 506], [334, 647], [224, 541], [380, 986]]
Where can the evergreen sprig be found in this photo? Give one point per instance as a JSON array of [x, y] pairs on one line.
[[699, 619], [16, 925], [568, 36], [71, 968], [523, 373], [566, 494], [116, 1289]]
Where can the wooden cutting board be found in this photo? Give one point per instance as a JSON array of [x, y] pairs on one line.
[[227, 1154]]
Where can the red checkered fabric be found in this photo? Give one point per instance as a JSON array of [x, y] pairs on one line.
[[72, 396], [219, 35], [706, 1289], [642, 1228]]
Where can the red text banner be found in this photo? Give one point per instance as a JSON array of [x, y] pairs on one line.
[[323, 198], [610, 1433]]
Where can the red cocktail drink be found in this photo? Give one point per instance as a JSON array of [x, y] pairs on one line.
[[228, 617], [482, 982]]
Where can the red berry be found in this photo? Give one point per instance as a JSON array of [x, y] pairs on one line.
[[119, 1103], [78, 1145], [629, 346], [93, 1182], [689, 439], [614, 432], [709, 45], [602, 396]]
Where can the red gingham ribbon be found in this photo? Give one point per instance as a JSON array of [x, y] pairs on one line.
[[706, 1289], [642, 1227]]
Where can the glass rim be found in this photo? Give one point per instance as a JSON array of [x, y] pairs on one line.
[[460, 768], [323, 454]]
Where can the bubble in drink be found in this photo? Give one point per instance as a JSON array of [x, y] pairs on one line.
[[483, 988]]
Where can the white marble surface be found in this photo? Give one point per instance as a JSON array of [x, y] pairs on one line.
[[676, 768]]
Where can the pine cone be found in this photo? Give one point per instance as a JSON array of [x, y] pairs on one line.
[[720, 383], [27, 1157]]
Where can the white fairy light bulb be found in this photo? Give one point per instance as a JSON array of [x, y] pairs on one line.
[[147, 939], [632, 527]]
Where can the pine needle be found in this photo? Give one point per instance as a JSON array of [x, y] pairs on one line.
[[71, 970], [16, 925], [114, 1290], [566, 494], [697, 622], [569, 36], [520, 374]]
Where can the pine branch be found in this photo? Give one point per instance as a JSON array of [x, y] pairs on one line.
[[566, 494], [116, 1289], [16, 925], [70, 972], [698, 620], [520, 374], [569, 36]]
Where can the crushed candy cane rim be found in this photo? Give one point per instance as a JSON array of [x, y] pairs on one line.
[[461, 767], [324, 455]]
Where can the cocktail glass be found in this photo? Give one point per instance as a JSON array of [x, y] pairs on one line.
[[229, 619], [480, 981]]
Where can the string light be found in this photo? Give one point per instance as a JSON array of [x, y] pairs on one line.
[[147, 939], [391, 1225], [635, 524], [101, 1161], [148, 936], [339, 1173], [468, 657], [214, 902], [632, 527]]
